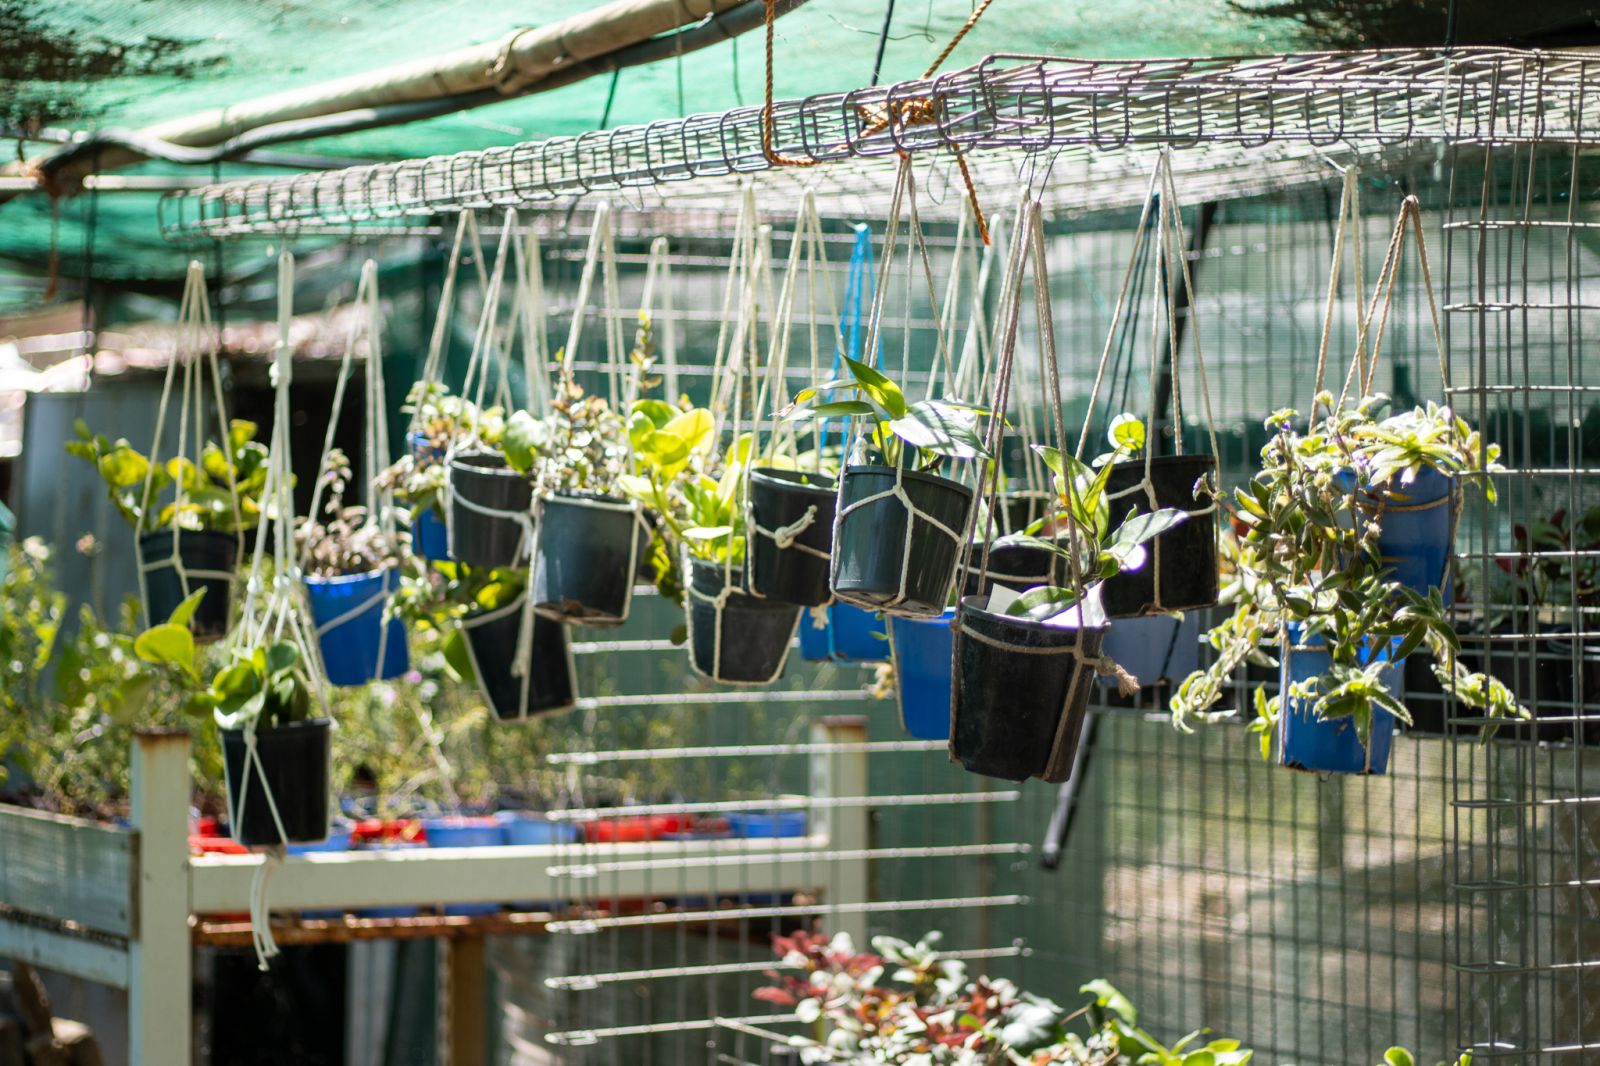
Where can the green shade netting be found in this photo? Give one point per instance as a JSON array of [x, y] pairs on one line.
[[132, 63]]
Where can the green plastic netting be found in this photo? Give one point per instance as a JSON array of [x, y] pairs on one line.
[[130, 63]]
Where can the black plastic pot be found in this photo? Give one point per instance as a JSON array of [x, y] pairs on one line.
[[755, 633], [490, 511], [1019, 693], [294, 763], [1018, 567], [1185, 564], [871, 552], [780, 499], [209, 559], [550, 685], [585, 567], [644, 570]]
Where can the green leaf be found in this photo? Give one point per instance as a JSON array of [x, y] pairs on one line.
[[1127, 434], [1043, 603], [1106, 995], [167, 644], [524, 441], [657, 413], [182, 613], [880, 388], [692, 427], [240, 433], [457, 658], [940, 428], [707, 532], [836, 409], [124, 468], [1052, 458], [281, 658], [1399, 1056]]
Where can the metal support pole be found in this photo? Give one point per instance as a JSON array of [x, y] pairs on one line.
[[160, 960], [843, 773]]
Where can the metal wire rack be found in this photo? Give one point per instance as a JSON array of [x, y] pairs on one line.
[[1064, 124]]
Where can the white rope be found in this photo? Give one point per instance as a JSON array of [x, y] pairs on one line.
[[658, 273], [433, 363], [195, 349]]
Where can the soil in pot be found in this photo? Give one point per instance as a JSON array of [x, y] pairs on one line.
[[871, 558], [798, 507], [357, 647], [1019, 693], [1306, 742], [294, 766], [550, 685], [489, 511], [208, 559], [754, 634], [585, 569], [1180, 569], [922, 671]]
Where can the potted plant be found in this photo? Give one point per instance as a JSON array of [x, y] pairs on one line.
[[485, 613], [351, 567], [1311, 580], [1182, 574], [275, 754], [790, 518], [899, 525], [908, 1005], [587, 535], [733, 637], [195, 540], [1024, 665], [419, 478]]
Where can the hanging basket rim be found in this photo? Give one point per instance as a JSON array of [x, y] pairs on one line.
[[969, 606], [910, 475], [778, 477]]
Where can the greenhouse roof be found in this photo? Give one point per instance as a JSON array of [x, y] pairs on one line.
[[133, 63]]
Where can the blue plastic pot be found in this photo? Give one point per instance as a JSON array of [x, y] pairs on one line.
[[1306, 742], [851, 635], [922, 649], [351, 649], [1414, 530], [429, 537], [1154, 648], [466, 833], [522, 827], [767, 824]]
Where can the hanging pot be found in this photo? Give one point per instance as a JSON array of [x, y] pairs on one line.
[[1018, 567], [1158, 651], [430, 538], [1306, 742], [490, 511], [357, 647], [874, 565], [1180, 569], [847, 635], [551, 683], [294, 761], [644, 570], [586, 563], [1414, 529], [208, 558], [922, 648], [798, 505], [1019, 692], [746, 640]]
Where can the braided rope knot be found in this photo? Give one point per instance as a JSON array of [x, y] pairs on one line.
[[784, 536]]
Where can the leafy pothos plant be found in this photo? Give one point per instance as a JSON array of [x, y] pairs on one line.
[[695, 510], [239, 468], [917, 436], [1079, 529], [1309, 558], [908, 1005]]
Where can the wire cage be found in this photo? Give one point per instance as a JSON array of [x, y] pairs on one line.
[[1449, 904]]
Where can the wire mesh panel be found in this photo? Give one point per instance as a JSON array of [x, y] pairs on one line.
[[1527, 921]]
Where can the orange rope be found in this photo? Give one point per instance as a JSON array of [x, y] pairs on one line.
[[767, 150], [920, 111], [972, 20]]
